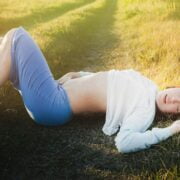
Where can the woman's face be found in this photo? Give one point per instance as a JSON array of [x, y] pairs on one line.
[[168, 101]]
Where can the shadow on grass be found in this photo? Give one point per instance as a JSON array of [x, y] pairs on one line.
[[40, 15], [76, 151], [85, 42]]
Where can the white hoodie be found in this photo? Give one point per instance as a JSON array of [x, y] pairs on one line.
[[131, 107]]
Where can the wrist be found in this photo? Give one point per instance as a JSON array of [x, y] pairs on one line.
[[173, 129]]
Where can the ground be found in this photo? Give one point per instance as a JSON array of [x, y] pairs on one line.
[[90, 35]]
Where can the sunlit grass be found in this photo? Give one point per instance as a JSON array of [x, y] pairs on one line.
[[150, 30], [46, 32], [15, 9]]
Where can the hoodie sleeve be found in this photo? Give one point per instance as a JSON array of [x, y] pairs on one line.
[[134, 136]]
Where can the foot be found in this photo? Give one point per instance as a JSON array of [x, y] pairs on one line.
[[5, 56]]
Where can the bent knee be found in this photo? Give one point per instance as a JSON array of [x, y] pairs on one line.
[[5, 56]]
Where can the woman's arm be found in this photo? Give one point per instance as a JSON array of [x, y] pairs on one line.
[[131, 138], [73, 75]]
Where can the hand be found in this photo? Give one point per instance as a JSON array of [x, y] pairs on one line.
[[175, 127], [68, 76]]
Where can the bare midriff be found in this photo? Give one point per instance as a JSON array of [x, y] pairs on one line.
[[87, 93]]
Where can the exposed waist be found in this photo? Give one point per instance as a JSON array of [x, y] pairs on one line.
[[88, 93]]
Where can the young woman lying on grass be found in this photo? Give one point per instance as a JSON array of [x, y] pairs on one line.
[[129, 99]]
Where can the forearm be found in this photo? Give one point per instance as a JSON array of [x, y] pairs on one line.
[[129, 141]]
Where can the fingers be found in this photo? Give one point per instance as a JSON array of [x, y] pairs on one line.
[[175, 127], [65, 78], [68, 76]]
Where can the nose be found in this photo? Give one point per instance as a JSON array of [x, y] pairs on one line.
[[174, 100]]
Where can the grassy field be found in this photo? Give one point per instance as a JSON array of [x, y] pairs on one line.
[[90, 35]]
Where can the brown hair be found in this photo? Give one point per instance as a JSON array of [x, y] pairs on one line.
[[160, 116], [172, 87]]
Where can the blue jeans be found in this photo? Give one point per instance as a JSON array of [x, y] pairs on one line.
[[45, 100]]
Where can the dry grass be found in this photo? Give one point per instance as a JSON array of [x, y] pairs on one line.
[[150, 31]]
